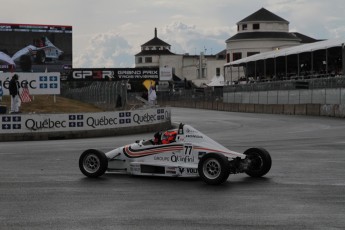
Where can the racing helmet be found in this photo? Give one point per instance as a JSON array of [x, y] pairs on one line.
[[168, 137]]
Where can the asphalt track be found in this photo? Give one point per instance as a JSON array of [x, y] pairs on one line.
[[41, 186]]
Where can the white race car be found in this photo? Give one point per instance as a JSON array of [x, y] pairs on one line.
[[42, 50], [182, 152]]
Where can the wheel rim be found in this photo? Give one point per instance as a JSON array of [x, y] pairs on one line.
[[256, 162], [91, 163], [211, 168]]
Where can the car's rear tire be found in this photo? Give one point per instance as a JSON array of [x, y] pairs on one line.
[[93, 163], [214, 168], [260, 162]]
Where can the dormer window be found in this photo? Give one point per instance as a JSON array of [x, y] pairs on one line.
[[256, 26], [244, 27]]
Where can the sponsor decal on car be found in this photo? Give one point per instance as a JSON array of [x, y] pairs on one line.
[[187, 171]]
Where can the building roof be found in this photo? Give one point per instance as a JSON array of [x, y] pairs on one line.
[[305, 38], [310, 47], [156, 41], [154, 52], [263, 15], [263, 35]]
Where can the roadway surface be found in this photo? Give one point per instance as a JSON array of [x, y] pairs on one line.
[[41, 186]]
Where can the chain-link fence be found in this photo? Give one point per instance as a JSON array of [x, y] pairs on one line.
[[113, 94], [106, 95]]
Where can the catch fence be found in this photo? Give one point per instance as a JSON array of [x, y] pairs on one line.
[[106, 95], [112, 95]]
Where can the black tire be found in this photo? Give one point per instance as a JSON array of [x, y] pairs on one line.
[[40, 57], [93, 163], [214, 168], [260, 162]]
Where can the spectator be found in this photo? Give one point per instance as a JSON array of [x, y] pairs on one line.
[[14, 92], [1, 93], [152, 95]]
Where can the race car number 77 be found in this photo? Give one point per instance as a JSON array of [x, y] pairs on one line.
[[188, 149]]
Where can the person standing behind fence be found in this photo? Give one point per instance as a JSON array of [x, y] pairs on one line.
[[152, 96], [1, 93], [14, 92]]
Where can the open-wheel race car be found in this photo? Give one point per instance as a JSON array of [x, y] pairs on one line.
[[181, 152], [41, 51]]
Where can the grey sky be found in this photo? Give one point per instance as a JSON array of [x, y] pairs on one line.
[[108, 33]]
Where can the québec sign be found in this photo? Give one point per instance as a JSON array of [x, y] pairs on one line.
[[38, 83]]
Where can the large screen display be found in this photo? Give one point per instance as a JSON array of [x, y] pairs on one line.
[[35, 48]]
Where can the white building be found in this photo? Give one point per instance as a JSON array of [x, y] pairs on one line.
[[260, 32], [200, 69]]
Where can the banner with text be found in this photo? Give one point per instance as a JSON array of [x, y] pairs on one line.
[[28, 123], [115, 74], [37, 83]]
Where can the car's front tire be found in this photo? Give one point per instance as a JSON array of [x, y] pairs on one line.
[[93, 163], [260, 162], [214, 168]]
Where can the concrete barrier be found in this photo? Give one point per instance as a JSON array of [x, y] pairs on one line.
[[313, 109], [327, 110], [259, 108], [250, 108], [339, 111], [277, 109], [286, 109], [289, 109], [268, 109], [23, 127], [300, 109], [84, 134]]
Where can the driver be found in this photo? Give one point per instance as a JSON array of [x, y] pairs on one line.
[[169, 137], [157, 138]]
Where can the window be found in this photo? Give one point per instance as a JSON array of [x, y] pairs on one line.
[[217, 71], [227, 58], [140, 60], [238, 27], [244, 27], [236, 56], [256, 26], [148, 59]]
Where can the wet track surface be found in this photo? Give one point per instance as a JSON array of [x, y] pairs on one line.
[[41, 186]]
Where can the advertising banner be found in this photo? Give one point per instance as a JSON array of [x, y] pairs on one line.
[[37, 83], [165, 74], [28, 123], [115, 74]]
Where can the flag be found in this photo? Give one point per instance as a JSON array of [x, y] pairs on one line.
[[25, 95]]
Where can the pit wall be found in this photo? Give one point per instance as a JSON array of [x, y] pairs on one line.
[[329, 110], [22, 127]]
